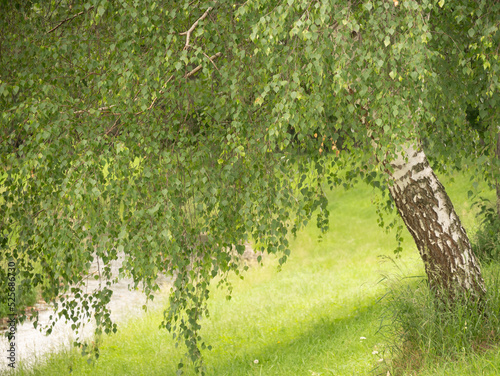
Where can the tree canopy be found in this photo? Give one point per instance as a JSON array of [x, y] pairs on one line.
[[138, 126]]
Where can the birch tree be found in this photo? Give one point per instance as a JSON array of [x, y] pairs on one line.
[[134, 127]]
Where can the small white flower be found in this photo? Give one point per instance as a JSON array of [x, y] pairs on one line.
[[362, 338], [256, 361], [380, 360], [374, 352]]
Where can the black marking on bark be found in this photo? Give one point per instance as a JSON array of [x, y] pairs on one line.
[[443, 256]]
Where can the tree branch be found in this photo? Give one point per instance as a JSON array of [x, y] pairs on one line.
[[188, 33], [101, 109], [187, 75], [114, 125], [211, 58], [68, 19]]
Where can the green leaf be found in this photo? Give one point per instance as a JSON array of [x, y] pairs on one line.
[[100, 10]]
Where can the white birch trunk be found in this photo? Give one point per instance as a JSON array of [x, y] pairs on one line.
[[431, 219]]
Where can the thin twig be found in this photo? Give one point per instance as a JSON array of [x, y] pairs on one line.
[[188, 33], [187, 75], [154, 100], [212, 60], [68, 19], [114, 125], [52, 11]]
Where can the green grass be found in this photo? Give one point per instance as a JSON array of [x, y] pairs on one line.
[[307, 319], [425, 331]]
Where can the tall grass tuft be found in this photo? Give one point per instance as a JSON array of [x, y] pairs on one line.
[[423, 326]]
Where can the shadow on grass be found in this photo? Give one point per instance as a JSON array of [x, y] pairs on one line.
[[328, 346]]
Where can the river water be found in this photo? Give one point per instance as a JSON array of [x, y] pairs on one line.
[[32, 344]]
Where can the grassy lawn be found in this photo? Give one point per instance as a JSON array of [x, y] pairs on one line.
[[319, 315]]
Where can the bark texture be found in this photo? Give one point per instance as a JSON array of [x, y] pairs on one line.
[[431, 219]]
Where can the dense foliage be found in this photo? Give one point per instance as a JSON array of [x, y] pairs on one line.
[[139, 126]]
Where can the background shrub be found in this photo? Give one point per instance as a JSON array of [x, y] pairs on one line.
[[486, 242]]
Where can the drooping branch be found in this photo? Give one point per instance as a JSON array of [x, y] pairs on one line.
[[67, 20]]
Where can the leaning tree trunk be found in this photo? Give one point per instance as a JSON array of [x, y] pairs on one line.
[[431, 219]]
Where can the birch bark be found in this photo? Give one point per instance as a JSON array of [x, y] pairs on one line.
[[431, 219]]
